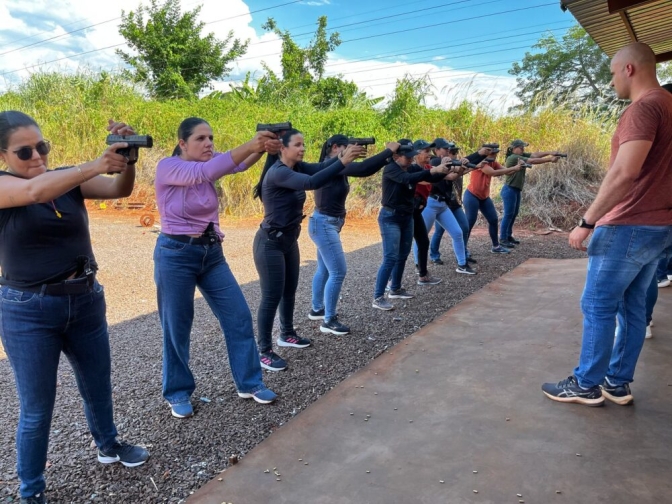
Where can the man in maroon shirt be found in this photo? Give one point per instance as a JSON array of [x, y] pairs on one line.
[[632, 218]]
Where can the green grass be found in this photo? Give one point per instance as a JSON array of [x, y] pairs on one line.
[[72, 111]]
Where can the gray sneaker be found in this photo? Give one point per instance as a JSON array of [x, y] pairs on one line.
[[382, 304], [400, 294], [428, 280]]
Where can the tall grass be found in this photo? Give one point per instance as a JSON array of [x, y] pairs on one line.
[[73, 110]]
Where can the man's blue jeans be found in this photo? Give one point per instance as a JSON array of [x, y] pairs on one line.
[[325, 230], [178, 269], [435, 242], [438, 211], [662, 271], [621, 263], [511, 199], [35, 329], [396, 231], [472, 205]]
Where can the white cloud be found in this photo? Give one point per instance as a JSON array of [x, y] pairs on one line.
[[22, 20]]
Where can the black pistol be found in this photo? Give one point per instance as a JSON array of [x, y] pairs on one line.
[[362, 141], [274, 127], [134, 142]]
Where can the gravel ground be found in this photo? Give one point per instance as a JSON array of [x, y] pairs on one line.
[[185, 454]]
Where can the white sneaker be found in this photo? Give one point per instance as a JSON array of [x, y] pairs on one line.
[[669, 277], [663, 283], [649, 334]]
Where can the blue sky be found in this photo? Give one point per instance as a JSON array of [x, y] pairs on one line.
[[464, 47]]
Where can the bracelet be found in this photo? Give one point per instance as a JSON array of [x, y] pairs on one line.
[[84, 179]]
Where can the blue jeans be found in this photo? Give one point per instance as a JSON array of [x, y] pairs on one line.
[[472, 205], [178, 269], [435, 242], [396, 231], [663, 269], [35, 329], [325, 230], [511, 199], [438, 211], [621, 263]]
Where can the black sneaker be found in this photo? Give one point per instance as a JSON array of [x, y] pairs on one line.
[[127, 454], [507, 244], [400, 294], [35, 499], [513, 240], [437, 261], [465, 269], [293, 340], [272, 361], [471, 260], [333, 326], [569, 391], [619, 394], [316, 315]]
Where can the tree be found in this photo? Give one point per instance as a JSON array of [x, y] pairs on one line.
[[173, 60], [572, 70]]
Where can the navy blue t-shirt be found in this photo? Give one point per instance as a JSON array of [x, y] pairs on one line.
[[37, 246]]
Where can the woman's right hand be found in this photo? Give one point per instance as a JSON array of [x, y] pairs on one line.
[[442, 168], [258, 143], [110, 161], [351, 153]]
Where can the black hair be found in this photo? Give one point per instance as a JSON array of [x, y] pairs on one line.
[[285, 139], [10, 121], [333, 140], [509, 151], [667, 87], [185, 130]]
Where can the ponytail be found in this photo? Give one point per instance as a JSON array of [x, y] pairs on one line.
[[177, 151]]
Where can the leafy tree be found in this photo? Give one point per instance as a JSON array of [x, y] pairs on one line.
[[173, 60], [409, 99], [570, 70]]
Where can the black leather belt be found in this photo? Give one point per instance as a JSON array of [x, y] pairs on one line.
[[395, 211], [191, 240], [440, 199], [65, 288]]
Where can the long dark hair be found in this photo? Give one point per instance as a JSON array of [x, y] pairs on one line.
[[270, 160], [10, 121], [509, 151], [334, 140], [185, 130]]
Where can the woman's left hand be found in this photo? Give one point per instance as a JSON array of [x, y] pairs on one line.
[[119, 128]]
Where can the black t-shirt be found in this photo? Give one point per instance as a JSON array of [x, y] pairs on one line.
[[399, 185], [38, 247], [330, 199], [283, 190]]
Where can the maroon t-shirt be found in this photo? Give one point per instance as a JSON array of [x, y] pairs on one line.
[[649, 202]]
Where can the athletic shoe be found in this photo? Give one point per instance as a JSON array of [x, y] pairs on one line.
[[35, 499], [437, 261], [428, 280], [417, 269], [471, 260], [465, 269], [669, 277], [400, 294], [569, 391], [333, 326], [272, 361], [128, 454], [182, 410], [507, 244], [663, 283], [619, 394], [382, 304], [263, 395], [500, 250], [513, 240], [293, 340], [648, 334], [316, 315]]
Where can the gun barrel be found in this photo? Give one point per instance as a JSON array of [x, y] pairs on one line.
[[562, 155], [145, 141], [362, 141], [274, 127]]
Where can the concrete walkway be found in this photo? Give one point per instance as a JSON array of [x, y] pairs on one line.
[[455, 414]]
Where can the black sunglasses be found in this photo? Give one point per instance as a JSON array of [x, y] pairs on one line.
[[26, 152]]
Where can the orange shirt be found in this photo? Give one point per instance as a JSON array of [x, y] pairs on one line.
[[649, 201], [479, 182]]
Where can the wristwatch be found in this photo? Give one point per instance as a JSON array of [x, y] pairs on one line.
[[584, 224]]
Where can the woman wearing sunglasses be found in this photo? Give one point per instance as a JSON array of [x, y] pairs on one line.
[[50, 301]]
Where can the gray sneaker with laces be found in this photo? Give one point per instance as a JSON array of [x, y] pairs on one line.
[[382, 304]]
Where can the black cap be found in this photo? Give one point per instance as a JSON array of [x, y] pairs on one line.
[[337, 140], [423, 144], [442, 143], [406, 149], [519, 143]]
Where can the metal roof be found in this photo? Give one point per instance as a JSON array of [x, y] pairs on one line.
[[615, 23]]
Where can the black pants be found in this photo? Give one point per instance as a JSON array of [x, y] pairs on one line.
[[421, 240], [277, 260]]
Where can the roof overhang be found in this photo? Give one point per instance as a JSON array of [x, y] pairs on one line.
[[613, 24]]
